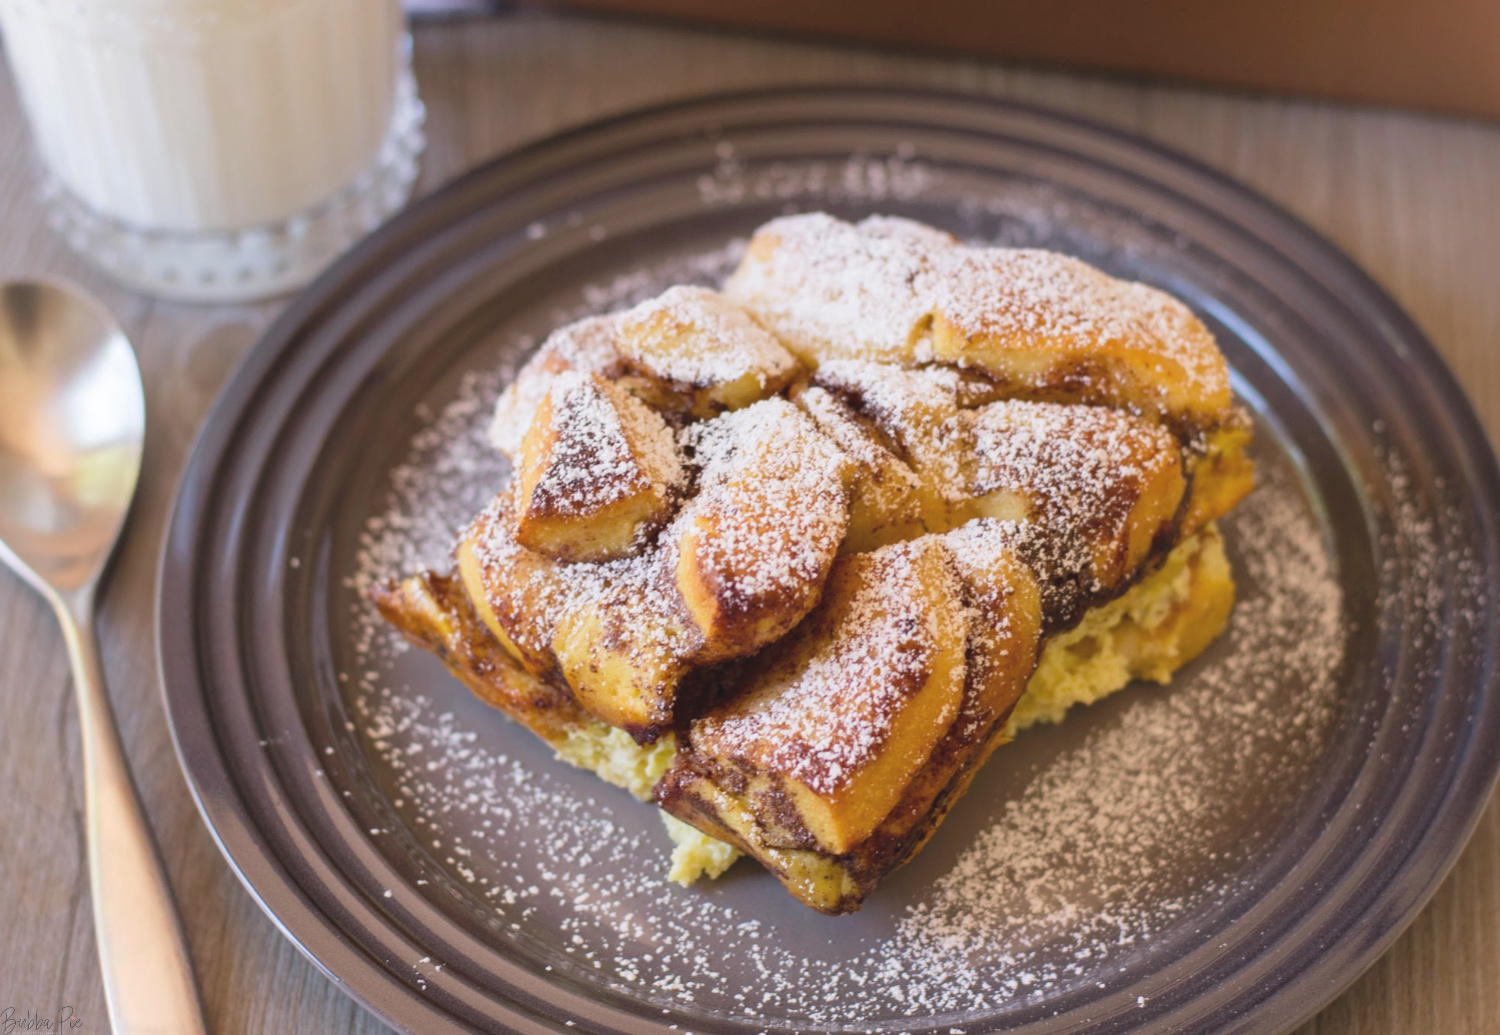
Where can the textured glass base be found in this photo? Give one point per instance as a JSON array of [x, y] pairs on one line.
[[259, 262]]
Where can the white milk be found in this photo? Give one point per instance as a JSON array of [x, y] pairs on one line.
[[205, 114], [217, 149]]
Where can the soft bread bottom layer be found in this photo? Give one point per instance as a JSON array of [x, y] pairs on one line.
[[617, 759], [1153, 629], [1160, 624]]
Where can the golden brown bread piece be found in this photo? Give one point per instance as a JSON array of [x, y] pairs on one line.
[[624, 644], [825, 732], [689, 353], [587, 346], [433, 612], [690, 348], [1148, 633], [821, 526], [887, 501], [615, 635], [515, 591], [1099, 493], [998, 645], [741, 563], [1220, 471], [917, 413], [598, 472], [1044, 325], [755, 544]]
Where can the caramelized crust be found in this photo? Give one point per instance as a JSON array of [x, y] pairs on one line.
[[998, 648], [624, 644], [433, 612], [757, 541], [1042, 324], [587, 346], [516, 592], [1099, 491], [917, 412], [1004, 601], [598, 472], [1220, 472], [887, 501], [820, 527], [616, 635], [825, 732], [698, 351]]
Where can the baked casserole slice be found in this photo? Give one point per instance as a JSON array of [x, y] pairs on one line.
[[794, 557]]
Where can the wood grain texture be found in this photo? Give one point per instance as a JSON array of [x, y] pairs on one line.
[[1415, 200], [1432, 56]]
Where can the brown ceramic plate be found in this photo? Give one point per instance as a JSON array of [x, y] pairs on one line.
[[1227, 853]]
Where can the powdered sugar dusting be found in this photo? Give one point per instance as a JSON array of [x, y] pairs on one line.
[[1082, 470], [585, 345], [1050, 295], [607, 446], [883, 289], [832, 697], [918, 409], [1063, 864], [833, 292], [770, 485], [692, 335], [1097, 843]]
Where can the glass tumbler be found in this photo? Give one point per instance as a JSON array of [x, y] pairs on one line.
[[217, 150]]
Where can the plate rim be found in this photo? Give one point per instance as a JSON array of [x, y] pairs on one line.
[[195, 739]]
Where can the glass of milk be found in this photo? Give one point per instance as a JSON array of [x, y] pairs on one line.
[[217, 150]]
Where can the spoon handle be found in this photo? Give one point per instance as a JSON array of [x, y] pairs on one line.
[[148, 975]]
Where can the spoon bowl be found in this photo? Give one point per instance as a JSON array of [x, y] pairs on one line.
[[72, 423]]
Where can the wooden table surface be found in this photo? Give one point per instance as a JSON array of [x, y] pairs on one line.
[[1414, 199]]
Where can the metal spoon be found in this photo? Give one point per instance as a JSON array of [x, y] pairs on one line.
[[72, 420]]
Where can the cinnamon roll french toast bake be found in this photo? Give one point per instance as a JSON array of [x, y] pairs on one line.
[[794, 557]]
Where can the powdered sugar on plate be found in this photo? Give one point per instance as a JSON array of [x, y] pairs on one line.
[[1076, 848]]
